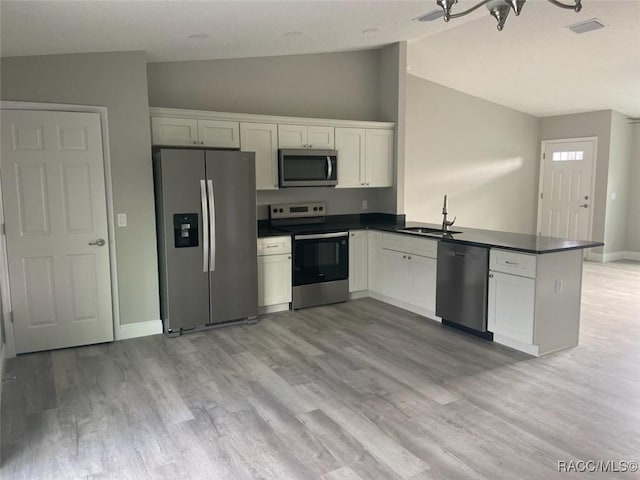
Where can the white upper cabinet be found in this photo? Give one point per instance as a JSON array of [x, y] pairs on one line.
[[379, 158], [218, 133], [305, 136], [365, 157], [190, 131], [262, 138], [350, 144], [174, 131]]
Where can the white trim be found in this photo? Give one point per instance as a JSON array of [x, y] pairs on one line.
[[613, 256], [245, 117], [594, 164], [405, 306], [279, 307], [517, 345], [139, 329], [359, 294], [106, 157]]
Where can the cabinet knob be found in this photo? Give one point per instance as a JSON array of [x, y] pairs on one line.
[[491, 275], [409, 257], [404, 256], [195, 142], [310, 146], [289, 257], [202, 143]]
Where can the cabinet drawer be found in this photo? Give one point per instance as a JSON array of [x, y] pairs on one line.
[[403, 243], [274, 245], [514, 263]]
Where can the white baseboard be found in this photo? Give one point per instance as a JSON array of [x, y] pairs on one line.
[[613, 256], [359, 294], [139, 329]]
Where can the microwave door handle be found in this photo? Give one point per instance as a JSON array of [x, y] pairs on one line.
[[329, 168]]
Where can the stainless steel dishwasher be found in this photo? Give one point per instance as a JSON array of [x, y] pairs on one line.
[[461, 291]]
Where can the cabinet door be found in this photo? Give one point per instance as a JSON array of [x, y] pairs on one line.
[[379, 158], [422, 282], [274, 279], [395, 275], [511, 306], [358, 259], [174, 131], [350, 143], [292, 136], [262, 138], [320, 137], [216, 133]]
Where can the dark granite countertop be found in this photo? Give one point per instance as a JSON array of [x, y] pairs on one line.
[[471, 236]]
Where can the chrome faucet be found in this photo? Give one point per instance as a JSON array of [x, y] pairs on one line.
[[446, 223]]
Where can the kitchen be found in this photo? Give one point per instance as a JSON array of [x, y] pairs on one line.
[[360, 87]]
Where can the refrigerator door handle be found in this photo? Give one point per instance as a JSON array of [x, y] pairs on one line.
[[205, 231], [212, 226]]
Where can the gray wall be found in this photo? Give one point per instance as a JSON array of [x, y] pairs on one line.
[[330, 85], [633, 214], [392, 100], [119, 82], [615, 232], [482, 155], [591, 124]]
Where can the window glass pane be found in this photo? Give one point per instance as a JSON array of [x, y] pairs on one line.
[[568, 156], [579, 155]]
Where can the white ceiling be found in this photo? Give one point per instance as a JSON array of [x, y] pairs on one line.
[[534, 65]]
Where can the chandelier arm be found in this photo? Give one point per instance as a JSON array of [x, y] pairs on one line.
[[577, 6], [475, 7]]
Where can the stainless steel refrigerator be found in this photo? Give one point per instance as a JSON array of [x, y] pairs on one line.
[[206, 221]]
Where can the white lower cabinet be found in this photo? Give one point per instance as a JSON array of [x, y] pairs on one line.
[[534, 300], [408, 272], [511, 306], [358, 261], [374, 273], [274, 272]]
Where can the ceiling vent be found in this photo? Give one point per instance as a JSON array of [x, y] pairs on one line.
[[588, 26]]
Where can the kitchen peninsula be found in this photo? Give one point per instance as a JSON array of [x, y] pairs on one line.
[[534, 282]]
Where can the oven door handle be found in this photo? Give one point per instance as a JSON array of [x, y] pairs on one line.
[[317, 236]]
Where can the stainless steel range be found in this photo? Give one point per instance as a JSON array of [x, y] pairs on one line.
[[320, 253]]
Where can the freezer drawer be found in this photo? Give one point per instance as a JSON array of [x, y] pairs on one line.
[[462, 283]]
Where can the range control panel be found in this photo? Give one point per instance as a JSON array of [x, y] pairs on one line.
[[297, 210]]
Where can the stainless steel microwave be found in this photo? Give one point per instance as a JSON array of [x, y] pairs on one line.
[[307, 168]]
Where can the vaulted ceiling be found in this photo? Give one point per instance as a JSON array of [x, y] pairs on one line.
[[534, 65]]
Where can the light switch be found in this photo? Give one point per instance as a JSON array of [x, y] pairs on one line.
[[613, 195], [122, 220]]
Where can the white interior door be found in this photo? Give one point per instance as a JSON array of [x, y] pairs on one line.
[[566, 189], [56, 229]]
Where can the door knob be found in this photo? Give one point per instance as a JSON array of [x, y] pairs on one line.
[[586, 205], [100, 242]]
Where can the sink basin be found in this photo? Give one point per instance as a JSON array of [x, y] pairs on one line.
[[434, 232]]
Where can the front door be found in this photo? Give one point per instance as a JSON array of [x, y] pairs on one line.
[[566, 182], [56, 229]]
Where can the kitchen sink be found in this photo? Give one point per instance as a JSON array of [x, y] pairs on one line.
[[432, 232]]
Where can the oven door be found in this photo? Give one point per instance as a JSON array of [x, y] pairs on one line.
[[308, 168], [320, 258]]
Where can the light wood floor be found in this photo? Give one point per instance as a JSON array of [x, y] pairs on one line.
[[360, 390]]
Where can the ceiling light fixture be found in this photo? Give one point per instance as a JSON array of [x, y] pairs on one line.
[[499, 9]]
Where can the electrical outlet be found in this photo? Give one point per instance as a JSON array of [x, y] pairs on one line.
[[122, 219], [365, 204]]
